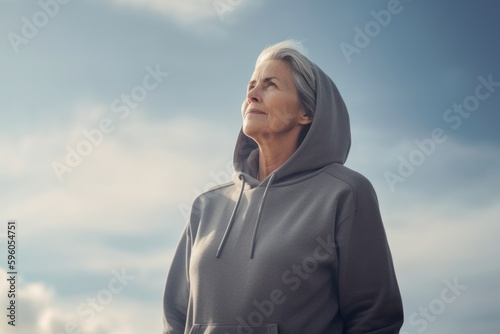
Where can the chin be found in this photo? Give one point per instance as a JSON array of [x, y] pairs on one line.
[[251, 129]]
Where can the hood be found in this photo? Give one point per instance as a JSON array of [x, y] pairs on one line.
[[327, 141]]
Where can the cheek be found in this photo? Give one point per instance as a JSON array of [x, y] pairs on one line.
[[284, 111], [244, 106]]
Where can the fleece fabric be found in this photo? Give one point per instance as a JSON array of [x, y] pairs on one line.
[[302, 252]]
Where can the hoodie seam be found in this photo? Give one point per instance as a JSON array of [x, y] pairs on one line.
[[215, 188], [354, 194], [349, 217]]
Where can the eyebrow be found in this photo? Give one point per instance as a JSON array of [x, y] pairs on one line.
[[265, 80]]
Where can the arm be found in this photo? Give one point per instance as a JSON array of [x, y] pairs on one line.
[[176, 295], [370, 301]]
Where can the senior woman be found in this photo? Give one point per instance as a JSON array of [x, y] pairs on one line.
[[295, 243]]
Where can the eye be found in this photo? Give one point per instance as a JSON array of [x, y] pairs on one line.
[[270, 83]]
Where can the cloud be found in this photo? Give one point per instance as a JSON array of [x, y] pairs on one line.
[[425, 236], [441, 222], [436, 241], [184, 11], [120, 207], [139, 168], [204, 17], [188, 12], [40, 310], [452, 168]]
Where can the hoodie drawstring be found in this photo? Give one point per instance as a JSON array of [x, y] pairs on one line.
[[233, 215], [259, 213], [231, 220]]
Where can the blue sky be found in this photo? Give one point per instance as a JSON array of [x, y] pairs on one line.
[[95, 242]]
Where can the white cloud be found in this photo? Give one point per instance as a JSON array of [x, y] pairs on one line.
[[131, 184], [435, 241], [451, 168], [139, 168], [41, 310], [424, 237], [188, 12], [149, 267]]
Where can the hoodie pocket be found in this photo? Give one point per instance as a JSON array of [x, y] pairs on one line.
[[234, 329]]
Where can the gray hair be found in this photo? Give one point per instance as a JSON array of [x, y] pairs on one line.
[[293, 53]]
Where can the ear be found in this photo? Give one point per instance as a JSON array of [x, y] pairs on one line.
[[304, 119]]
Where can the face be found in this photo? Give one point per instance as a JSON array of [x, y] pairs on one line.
[[272, 108]]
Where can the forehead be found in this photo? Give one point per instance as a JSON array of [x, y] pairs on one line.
[[273, 68]]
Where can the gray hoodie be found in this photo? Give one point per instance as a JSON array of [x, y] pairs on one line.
[[302, 252]]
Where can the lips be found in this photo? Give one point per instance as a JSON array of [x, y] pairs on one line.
[[254, 111]]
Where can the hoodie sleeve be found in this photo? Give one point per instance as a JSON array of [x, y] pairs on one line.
[[370, 301], [176, 295]]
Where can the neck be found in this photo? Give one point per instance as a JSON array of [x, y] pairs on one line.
[[273, 154]]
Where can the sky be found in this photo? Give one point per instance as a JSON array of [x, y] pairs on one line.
[[114, 115]]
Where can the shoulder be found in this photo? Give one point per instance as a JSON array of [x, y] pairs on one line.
[[208, 200], [350, 178], [361, 196], [215, 191], [356, 186]]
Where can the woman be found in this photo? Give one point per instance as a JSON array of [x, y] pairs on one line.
[[295, 243]]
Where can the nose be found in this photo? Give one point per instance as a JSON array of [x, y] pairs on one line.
[[253, 95]]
